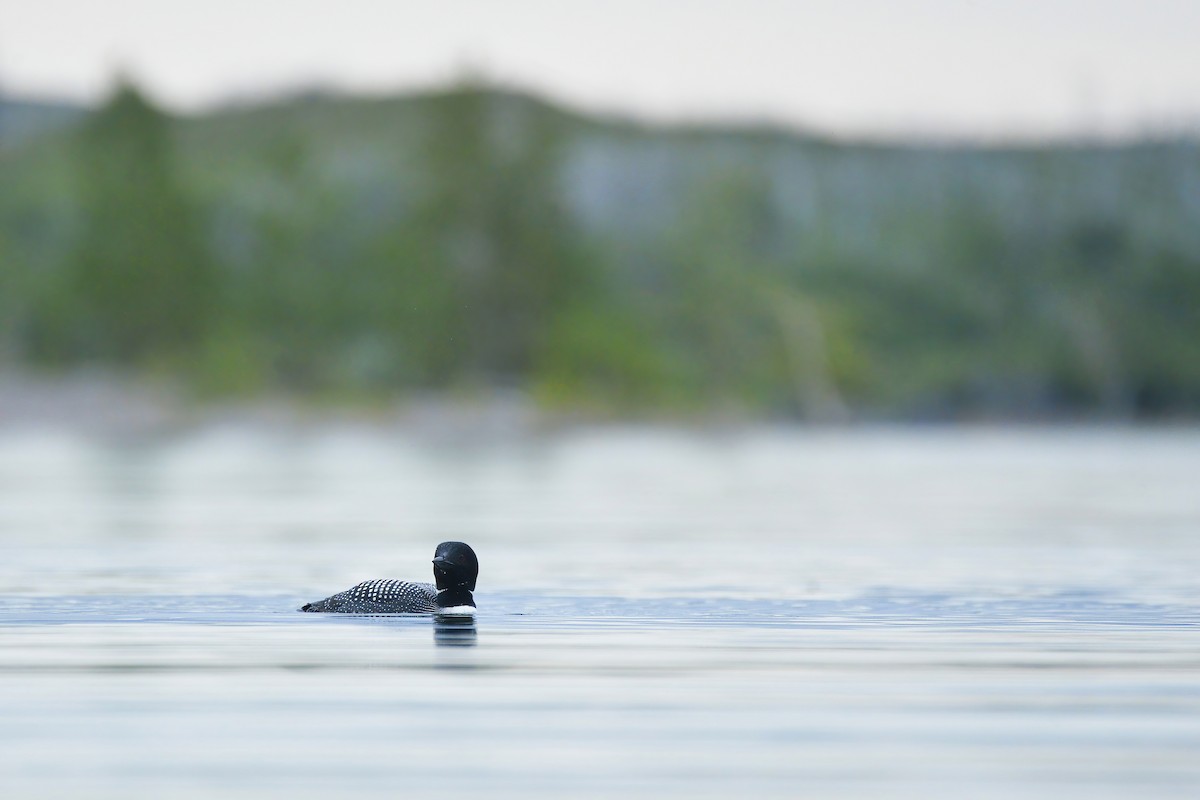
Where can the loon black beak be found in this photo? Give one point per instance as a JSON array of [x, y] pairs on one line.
[[441, 561]]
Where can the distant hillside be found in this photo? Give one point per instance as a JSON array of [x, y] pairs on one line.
[[472, 237], [22, 119], [622, 176]]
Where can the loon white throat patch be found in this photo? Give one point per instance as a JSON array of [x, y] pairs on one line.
[[456, 611]]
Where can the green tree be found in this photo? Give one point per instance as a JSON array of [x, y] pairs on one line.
[[12, 297], [502, 257], [140, 282]]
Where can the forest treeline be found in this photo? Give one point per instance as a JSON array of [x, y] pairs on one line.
[[474, 239]]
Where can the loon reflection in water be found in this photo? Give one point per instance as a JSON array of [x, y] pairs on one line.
[[454, 630]]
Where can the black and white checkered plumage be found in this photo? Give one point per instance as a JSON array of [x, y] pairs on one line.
[[382, 596], [455, 570]]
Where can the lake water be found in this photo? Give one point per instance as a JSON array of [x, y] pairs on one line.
[[859, 613]]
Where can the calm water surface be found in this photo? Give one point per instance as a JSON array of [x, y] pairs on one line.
[[769, 613]]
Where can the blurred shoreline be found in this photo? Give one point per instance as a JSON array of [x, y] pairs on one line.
[[108, 405], [474, 249], [99, 403]]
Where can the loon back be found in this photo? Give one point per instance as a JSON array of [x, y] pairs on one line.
[[380, 597]]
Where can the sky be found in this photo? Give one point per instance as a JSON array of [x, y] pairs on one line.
[[991, 69]]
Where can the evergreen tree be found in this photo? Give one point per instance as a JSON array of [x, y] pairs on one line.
[[141, 281], [499, 239]]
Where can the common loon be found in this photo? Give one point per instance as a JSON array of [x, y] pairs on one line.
[[455, 569]]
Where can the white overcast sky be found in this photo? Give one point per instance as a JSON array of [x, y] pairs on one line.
[[943, 67]]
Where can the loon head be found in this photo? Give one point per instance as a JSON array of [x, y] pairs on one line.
[[455, 566]]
